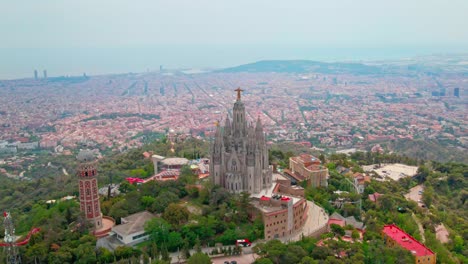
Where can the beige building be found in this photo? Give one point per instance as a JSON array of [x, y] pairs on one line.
[[306, 167], [283, 208]]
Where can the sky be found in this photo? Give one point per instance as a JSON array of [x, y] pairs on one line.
[[69, 37]]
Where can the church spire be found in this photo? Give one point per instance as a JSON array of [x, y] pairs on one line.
[[227, 122], [259, 130], [259, 126], [239, 124], [218, 132]]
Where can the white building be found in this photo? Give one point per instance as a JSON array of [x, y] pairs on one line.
[[131, 231]]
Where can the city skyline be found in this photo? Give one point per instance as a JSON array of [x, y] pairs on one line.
[[69, 38]]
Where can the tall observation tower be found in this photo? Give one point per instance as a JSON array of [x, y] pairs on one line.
[[89, 197]]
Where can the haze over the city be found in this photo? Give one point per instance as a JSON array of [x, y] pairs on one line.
[[73, 37]]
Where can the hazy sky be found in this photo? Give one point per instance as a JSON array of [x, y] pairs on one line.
[[71, 37]]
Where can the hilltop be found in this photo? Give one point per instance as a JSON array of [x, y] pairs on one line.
[[432, 65], [302, 66]]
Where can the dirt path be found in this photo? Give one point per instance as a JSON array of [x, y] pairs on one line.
[[421, 229]]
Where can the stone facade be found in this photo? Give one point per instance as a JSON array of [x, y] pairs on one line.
[[239, 154]]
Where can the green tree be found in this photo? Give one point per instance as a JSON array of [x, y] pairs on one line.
[[176, 214], [85, 253], [187, 176], [147, 201], [263, 261], [337, 230], [428, 196], [158, 230], [174, 241], [458, 244], [321, 252], [37, 252], [422, 173], [123, 252], [199, 258], [119, 210], [308, 260], [163, 200], [104, 255], [294, 254], [63, 255], [126, 187]]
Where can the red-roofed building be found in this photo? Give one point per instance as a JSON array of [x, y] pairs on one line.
[[336, 222], [394, 236], [360, 181], [166, 175]]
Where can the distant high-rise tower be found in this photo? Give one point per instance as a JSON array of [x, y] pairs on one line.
[[442, 91], [87, 181], [35, 74], [456, 92], [45, 74], [160, 68]]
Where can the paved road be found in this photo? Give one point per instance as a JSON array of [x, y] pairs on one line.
[[415, 194]]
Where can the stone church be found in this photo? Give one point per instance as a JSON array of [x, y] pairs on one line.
[[239, 154]]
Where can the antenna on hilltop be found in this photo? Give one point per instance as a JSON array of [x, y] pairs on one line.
[[10, 244], [12, 255]]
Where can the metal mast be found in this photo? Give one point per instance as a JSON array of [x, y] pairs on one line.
[[11, 249]]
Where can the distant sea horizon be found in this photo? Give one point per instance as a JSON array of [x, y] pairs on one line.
[[18, 63]]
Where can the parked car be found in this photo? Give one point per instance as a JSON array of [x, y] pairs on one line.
[[243, 242]]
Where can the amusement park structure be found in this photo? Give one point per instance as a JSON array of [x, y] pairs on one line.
[[10, 243]]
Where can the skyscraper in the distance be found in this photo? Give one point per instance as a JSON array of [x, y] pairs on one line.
[[456, 92], [45, 74], [35, 74]]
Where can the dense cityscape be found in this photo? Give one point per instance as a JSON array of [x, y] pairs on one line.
[[332, 111], [234, 132]]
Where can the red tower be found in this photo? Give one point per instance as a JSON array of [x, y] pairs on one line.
[[89, 197]]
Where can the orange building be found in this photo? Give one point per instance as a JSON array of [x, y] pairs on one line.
[[306, 167], [282, 215], [283, 208], [394, 236]]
